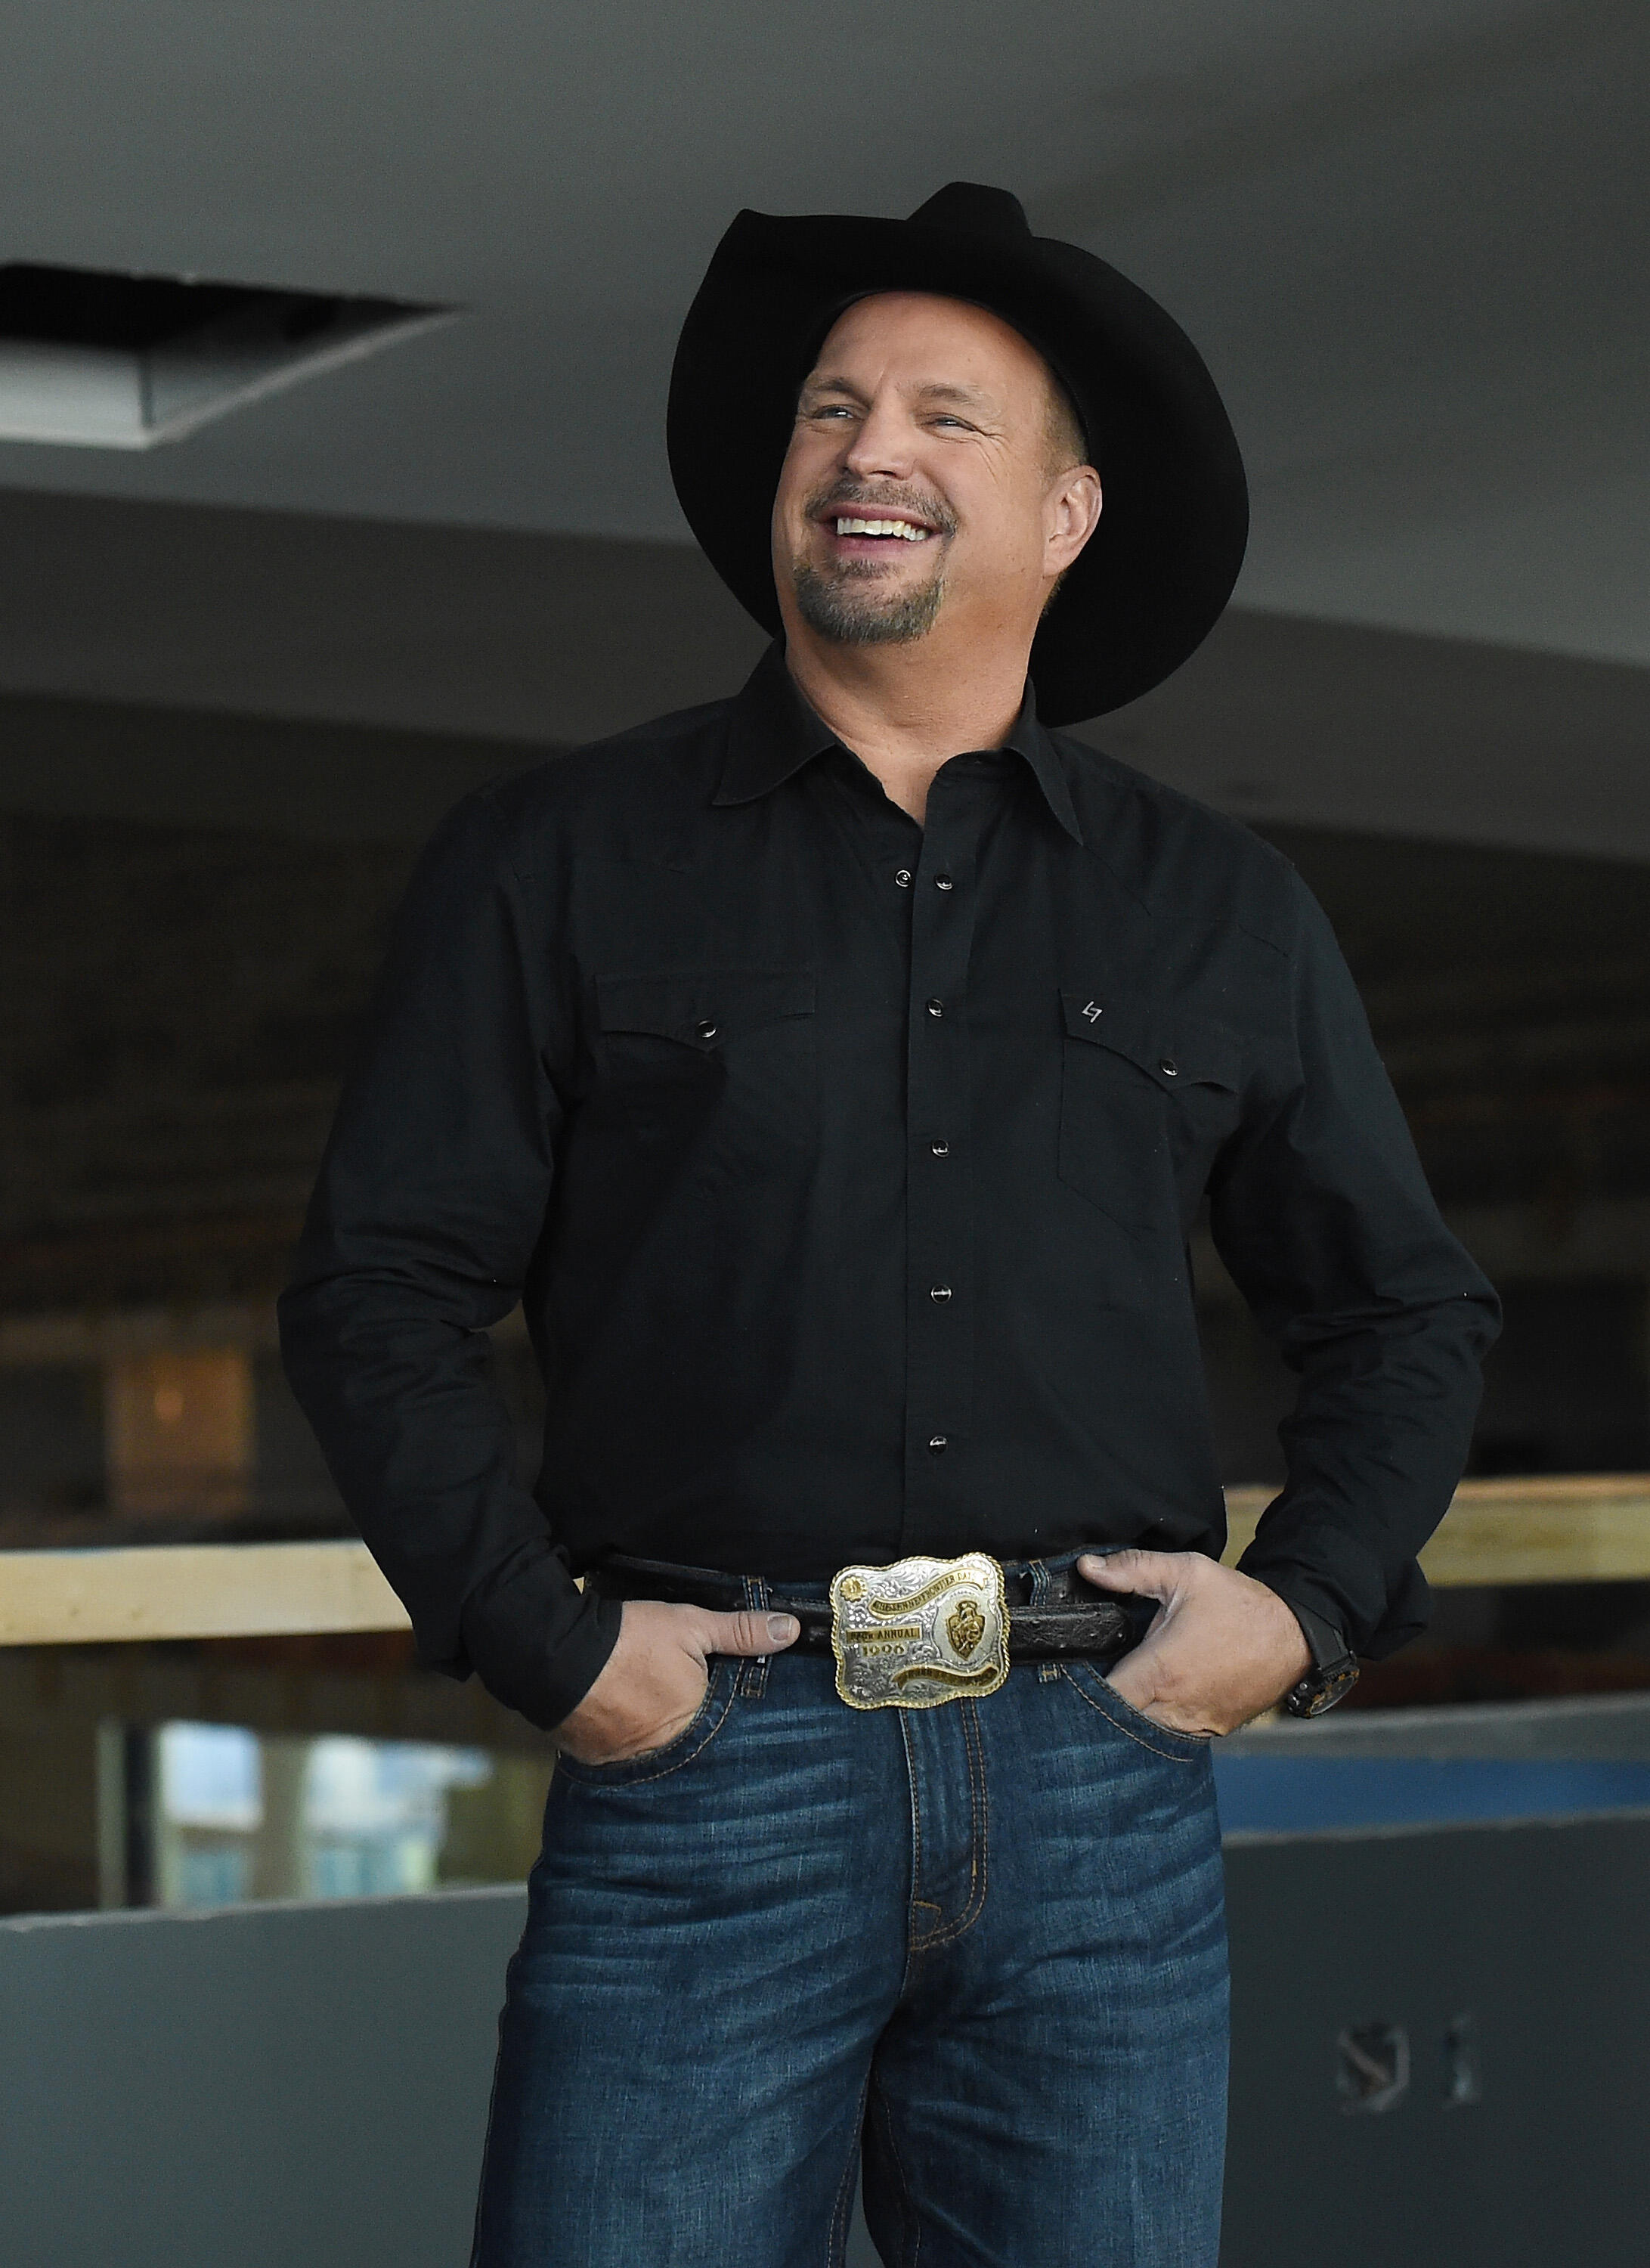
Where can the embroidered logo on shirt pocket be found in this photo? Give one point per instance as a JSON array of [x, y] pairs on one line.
[[1145, 1100]]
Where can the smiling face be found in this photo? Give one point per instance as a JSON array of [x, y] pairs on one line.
[[934, 470]]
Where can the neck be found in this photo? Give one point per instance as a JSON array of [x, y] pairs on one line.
[[905, 710]]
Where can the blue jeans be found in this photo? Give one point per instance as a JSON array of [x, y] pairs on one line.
[[987, 1939]]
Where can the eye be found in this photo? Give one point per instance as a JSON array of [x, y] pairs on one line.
[[962, 424]]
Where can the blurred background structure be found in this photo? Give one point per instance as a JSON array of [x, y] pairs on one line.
[[389, 514]]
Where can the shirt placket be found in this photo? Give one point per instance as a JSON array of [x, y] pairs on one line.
[[939, 1175]]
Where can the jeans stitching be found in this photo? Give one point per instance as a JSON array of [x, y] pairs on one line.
[[978, 1842], [1170, 1755], [912, 1943], [712, 1726]]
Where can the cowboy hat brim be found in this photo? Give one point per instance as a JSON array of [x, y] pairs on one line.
[[1152, 579]]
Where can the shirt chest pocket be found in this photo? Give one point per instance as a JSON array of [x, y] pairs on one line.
[[724, 1056], [1146, 1099]]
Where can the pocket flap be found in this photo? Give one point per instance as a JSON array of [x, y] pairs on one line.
[[1172, 1052], [704, 1007]]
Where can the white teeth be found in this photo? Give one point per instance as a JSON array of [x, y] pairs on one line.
[[901, 527]]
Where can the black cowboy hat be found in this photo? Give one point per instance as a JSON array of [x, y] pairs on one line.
[[1154, 576]]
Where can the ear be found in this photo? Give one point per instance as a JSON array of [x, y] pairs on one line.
[[1071, 513]]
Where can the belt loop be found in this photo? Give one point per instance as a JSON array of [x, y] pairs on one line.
[[753, 1674], [1041, 1591]]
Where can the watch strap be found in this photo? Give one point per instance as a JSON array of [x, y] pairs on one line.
[[1334, 1670]]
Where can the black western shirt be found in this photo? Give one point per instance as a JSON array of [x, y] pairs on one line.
[[846, 1169]]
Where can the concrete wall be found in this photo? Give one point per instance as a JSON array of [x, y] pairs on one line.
[[285, 2084], [1535, 1935], [273, 2087]]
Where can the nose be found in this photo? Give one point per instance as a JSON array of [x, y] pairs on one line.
[[882, 443]]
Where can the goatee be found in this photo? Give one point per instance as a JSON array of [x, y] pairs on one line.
[[849, 601], [849, 606]]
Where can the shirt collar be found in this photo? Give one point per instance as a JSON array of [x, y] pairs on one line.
[[773, 732]]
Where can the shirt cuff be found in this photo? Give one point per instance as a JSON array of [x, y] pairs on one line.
[[538, 1645]]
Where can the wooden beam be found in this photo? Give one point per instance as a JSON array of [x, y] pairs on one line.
[[1593, 1529], [192, 1590], [1590, 1527]]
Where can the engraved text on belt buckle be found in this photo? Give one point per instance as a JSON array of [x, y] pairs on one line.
[[920, 1632]]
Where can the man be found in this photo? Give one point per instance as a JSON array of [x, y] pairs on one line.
[[836, 1073]]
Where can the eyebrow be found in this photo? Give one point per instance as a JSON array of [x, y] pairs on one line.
[[971, 397], [968, 397]]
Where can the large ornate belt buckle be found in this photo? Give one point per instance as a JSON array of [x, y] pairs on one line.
[[920, 1632]]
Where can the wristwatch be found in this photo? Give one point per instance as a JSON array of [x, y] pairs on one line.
[[1334, 1670]]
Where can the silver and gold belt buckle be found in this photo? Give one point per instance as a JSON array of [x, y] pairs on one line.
[[920, 1632]]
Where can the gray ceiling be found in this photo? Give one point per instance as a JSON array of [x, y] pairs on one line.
[[1410, 235]]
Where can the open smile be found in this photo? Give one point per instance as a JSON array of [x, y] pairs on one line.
[[908, 531], [865, 536]]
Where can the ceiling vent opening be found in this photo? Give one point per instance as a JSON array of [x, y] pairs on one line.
[[123, 362]]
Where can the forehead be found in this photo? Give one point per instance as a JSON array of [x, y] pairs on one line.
[[917, 338]]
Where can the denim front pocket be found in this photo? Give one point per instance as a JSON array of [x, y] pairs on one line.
[[1104, 1698], [657, 1764]]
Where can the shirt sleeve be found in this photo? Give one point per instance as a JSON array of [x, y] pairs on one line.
[[431, 1198], [1322, 1214]]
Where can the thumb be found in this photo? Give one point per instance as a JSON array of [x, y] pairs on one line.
[[1147, 1572], [747, 1632]]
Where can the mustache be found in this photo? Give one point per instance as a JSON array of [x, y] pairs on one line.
[[871, 501]]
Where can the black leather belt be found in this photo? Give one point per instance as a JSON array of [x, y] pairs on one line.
[[1071, 1622]]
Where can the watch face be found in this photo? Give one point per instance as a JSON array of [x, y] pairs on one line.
[[1323, 1687]]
